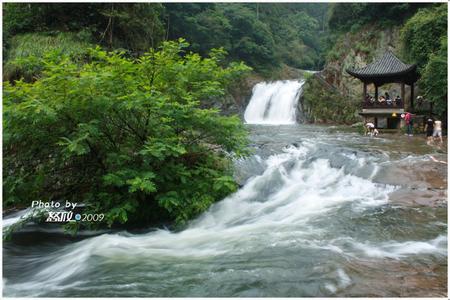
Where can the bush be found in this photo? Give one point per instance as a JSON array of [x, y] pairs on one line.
[[127, 137]]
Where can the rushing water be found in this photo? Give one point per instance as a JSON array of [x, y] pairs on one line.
[[321, 213], [274, 102]]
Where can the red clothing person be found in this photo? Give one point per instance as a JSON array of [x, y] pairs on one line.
[[408, 120]]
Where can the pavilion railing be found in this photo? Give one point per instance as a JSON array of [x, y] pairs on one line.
[[376, 104]]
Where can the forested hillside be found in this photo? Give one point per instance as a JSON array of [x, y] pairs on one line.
[[361, 32], [264, 36]]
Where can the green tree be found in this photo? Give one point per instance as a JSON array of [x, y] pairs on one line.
[[127, 137], [346, 16], [421, 35], [434, 79], [264, 35], [424, 39]]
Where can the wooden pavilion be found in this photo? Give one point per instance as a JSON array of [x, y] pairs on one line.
[[387, 69]]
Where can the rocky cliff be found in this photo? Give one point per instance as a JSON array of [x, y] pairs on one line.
[[333, 95]]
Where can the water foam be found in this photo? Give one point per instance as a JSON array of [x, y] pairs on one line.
[[273, 208], [274, 102]]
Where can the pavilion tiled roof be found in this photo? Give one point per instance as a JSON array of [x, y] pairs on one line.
[[387, 67]]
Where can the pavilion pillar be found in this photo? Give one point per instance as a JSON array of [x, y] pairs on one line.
[[376, 92], [403, 94], [364, 91], [412, 97]]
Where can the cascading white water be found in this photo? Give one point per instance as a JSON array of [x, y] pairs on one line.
[[274, 102], [275, 210], [309, 208]]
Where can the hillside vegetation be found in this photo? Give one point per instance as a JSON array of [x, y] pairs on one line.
[[416, 33], [264, 36]]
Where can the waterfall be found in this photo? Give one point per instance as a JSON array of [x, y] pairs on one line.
[[274, 102]]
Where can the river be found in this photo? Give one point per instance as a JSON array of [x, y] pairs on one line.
[[322, 211]]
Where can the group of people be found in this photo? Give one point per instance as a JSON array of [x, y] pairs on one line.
[[433, 128], [384, 100]]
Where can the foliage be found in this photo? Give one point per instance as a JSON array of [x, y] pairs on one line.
[[26, 50], [125, 136], [321, 104], [352, 16], [264, 35], [422, 34], [132, 26], [424, 39], [296, 41], [434, 78], [355, 18]]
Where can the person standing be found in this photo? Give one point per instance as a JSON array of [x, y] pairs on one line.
[[429, 128], [409, 123], [437, 132]]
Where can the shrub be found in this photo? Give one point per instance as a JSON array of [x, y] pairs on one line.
[[126, 137]]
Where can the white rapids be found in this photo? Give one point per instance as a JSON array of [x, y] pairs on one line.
[[277, 208]]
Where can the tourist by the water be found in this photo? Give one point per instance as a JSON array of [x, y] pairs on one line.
[[375, 132], [437, 131], [409, 123], [429, 128], [381, 99], [368, 127], [371, 130]]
